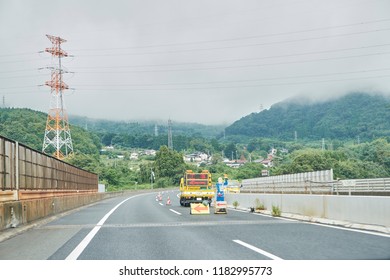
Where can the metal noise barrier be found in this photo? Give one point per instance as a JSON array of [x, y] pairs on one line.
[[316, 182], [23, 168]]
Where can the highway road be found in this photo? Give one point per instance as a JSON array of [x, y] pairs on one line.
[[137, 227]]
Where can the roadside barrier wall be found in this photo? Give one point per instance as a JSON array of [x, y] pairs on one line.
[[368, 210], [21, 212], [23, 168]]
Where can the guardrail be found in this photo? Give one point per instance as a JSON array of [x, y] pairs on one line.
[[317, 182], [22, 168], [378, 185]]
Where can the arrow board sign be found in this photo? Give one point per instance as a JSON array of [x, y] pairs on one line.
[[199, 209]]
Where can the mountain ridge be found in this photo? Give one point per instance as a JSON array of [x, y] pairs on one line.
[[353, 115]]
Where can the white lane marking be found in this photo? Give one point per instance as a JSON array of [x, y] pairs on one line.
[[258, 250], [84, 243], [161, 204], [178, 213], [340, 227], [320, 224], [349, 229]]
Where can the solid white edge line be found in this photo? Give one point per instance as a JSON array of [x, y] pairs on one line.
[[257, 250], [340, 227], [84, 243], [178, 213], [348, 229]]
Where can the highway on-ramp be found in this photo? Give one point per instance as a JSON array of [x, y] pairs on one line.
[[138, 227]]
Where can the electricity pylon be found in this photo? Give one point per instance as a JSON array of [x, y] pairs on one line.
[[57, 139], [170, 142]]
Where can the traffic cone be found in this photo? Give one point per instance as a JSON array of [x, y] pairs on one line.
[[168, 201]]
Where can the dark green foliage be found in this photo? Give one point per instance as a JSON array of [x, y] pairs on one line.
[[145, 171], [170, 164], [348, 117], [23, 125], [28, 127], [339, 122], [249, 170], [368, 160], [117, 174], [146, 127]]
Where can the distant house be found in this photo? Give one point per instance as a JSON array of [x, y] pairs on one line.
[[196, 157], [267, 162], [134, 156], [234, 164], [150, 152]]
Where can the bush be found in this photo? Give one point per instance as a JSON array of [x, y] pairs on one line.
[[259, 205], [276, 212], [164, 182]]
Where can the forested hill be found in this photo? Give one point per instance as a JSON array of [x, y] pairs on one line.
[[28, 127], [351, 116], [146, 127]]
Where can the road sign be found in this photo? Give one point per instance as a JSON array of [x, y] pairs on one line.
[[199, 209], [220, 207]]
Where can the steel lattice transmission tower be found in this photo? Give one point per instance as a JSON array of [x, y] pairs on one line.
[[170, 142], [57, 139]]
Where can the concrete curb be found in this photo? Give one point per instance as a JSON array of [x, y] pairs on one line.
[[381, 229]]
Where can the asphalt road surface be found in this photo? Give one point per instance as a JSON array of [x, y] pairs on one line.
[[138, 227]]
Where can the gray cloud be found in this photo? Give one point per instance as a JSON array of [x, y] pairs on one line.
[[198, 61]]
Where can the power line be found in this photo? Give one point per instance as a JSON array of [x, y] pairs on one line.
[[79, 87], [222, 61], [234, 60], [153, 90], [24, 76], [251, 80], [248, 65], [239, 46], [222, 40], [235, 86], [18, 54], [253, 37]]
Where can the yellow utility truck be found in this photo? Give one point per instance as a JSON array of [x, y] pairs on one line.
[[196, 188]]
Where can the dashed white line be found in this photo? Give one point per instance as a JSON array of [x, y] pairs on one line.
[[257, 250], [178, 213], [161, 204]]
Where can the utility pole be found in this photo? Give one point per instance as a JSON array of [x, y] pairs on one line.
[[152, 177], [57, 139]]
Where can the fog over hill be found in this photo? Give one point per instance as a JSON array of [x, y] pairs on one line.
[[353, 115]]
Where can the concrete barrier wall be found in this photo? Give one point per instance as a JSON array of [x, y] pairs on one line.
[[369, 210], [22, 212], [16, 213]]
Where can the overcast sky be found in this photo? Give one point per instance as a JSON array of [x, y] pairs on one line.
[[203, 61]]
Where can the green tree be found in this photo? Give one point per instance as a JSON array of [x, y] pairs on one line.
[[230, 150], [144, 173], [87, 162], [249, 170], [169, 163]]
